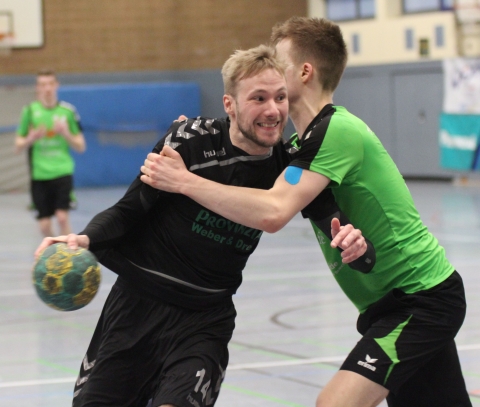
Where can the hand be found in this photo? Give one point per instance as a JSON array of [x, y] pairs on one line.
[[60, 126], [165, 171], [73, 242], [181, 118], [349, 239], [37, 133]]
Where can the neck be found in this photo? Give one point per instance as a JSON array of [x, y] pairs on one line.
[[307, 107], [48, 103]]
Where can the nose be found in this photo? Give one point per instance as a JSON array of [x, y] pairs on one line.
[[272, 108]]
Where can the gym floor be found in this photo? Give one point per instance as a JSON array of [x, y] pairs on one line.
[[294, 325]]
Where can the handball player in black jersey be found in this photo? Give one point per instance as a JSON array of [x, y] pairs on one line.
[[164, 330]]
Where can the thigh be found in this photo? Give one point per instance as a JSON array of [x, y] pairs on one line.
[[438, 383], [61, 191], [114, 369], [195, 367], [416, 329], [42, 199]]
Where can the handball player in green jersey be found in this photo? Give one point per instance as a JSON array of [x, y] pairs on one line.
[[48, 129], [412, 303]]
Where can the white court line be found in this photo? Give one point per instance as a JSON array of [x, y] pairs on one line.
[[243, 366]]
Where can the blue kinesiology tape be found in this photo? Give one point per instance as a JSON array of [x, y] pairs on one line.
[[293, 174]]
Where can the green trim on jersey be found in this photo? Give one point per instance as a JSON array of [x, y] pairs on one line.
[[370, 190], [50, 156]]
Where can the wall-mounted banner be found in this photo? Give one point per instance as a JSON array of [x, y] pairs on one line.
[[459, 141], [461, 85]]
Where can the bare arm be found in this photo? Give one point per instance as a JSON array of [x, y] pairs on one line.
[[267, 210], [21, 143], [75, 141]]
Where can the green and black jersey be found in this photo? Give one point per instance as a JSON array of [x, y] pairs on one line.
[[50, 156], [370, 190]]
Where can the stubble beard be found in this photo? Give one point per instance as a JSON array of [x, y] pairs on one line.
[[250, 134]]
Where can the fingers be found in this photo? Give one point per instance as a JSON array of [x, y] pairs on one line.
[[335, 225], [72, 241], [350, 240], [181, 118], [47, 242], [356, 250]]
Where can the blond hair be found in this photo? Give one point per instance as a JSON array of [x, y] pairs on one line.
[[318, 41], [244, 64]]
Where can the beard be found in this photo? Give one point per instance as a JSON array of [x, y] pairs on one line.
[[250, 134]]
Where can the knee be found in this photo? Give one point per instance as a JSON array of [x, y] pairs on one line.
[[62, 216]]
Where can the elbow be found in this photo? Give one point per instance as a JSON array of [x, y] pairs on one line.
[[274, 222]]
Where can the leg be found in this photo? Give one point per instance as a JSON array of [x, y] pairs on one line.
[[194, 370], [63, 221], [61, 190], [349, 389], [45, 225], [438, 383], [114, 371], [43, 203]]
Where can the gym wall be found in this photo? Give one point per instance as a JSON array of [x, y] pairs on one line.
[[142, 35]]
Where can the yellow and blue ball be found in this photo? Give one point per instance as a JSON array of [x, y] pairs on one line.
[[66, 279]]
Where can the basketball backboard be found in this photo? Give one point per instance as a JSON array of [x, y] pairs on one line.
[[21, 23]]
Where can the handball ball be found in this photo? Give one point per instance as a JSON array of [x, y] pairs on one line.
[[66, 279]]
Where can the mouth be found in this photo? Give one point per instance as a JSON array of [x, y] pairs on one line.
[[268, 125]]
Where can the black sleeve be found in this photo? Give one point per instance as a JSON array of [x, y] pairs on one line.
[[108, 227], [364, 263], [321, 211]]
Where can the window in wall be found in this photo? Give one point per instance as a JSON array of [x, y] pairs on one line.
[[439, 36], [355, 44], [417, 6], [341, 10], [409, 38]]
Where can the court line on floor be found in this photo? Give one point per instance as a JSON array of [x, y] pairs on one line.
[[242, 366]]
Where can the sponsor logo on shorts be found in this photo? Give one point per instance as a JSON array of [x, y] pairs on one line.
[[368, 363]]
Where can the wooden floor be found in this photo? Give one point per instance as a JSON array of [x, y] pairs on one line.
[[294, 325]]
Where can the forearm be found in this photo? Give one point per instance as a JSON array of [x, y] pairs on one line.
[[21, 143], [76, 142], [256, 208]]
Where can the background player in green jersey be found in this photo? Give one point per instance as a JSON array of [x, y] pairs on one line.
[[49, 128], [412, 303]]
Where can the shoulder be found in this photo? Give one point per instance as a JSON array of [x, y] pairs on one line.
[[68, 106], [196, 131]]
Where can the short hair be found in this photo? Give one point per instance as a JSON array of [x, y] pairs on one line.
[[244, 64], [318, 41], [46, 72]]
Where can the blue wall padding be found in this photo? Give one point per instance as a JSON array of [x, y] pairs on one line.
[[122, 123]]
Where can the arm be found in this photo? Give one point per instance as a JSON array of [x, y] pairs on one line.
[[75, 141], [24, 142], [267, 210], [108, 227]]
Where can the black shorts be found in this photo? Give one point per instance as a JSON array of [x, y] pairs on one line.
[[145, 349], [48, 196], [408, 346]]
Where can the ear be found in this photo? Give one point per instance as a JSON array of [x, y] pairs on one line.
[[307, 72], [229, 104]]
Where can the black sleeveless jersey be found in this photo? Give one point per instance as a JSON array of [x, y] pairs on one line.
[[170, 246]]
